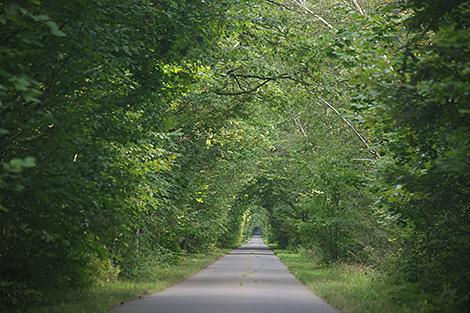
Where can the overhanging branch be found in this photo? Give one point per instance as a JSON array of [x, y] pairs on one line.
[[353, 128], [243, 92], [266, 80], [305, 9], [358, 7]]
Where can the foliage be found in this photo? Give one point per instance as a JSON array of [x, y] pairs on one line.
[[132, 133], [354, 288], [101, 166], [107, 294]]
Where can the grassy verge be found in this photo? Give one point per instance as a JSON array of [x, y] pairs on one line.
[[352, 288], [102, 297]]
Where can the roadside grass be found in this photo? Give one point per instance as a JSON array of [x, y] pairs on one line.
[[103, 297], [353, 288]]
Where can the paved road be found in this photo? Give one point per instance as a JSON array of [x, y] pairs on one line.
[[251, 279]]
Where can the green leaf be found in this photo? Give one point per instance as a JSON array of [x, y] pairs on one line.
[[55, 29], [126, 50], [169, 123], [22, 84], [29, 162], [40, 18], [17, 165], [13, 166], [16, 162]]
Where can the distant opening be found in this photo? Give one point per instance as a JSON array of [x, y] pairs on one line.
[[257, 231]]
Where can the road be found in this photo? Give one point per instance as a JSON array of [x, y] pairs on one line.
[[250, 279]]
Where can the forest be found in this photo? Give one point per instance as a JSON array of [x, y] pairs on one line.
[[133, 133]]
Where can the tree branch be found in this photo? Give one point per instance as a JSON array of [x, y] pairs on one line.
[[306, 10], [318, 17], [299, 126], [279, 4], [374, 153], [358, 7], [243, 92], [266, 80]]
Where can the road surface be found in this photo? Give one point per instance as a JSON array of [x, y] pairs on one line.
[[250, 279]]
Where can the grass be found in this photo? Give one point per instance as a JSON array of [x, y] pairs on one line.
[[103, 297], [353, 288]]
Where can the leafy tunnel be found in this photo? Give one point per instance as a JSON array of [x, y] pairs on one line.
[[133, 133]]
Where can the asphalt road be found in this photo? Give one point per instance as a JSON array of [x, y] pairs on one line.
[[251, 279]]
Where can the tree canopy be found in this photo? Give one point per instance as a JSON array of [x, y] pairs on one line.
[[133, 132]]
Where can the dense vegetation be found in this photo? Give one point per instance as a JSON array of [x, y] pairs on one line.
[[133, 132]]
